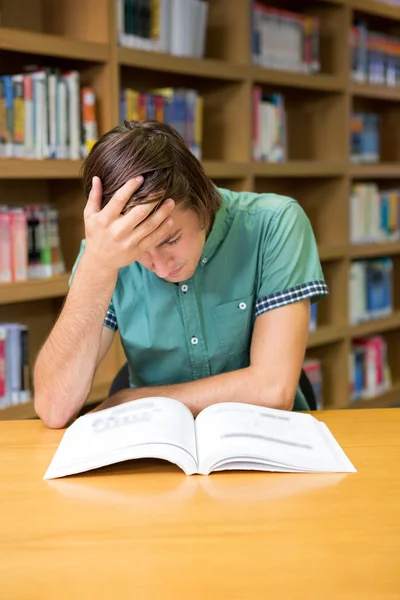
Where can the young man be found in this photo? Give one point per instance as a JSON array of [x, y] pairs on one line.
[[210, 289]]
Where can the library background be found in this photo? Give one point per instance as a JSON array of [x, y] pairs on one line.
[[299, 97]]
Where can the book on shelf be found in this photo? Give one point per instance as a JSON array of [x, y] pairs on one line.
[[179, 107], [313, 369], [30, 245], [370, 289], [364, 138], [14, 365], [285, 40], [175, 27], [313, 316], [369, 369], [45, 114], [269, 127], [226, 436], [374, 214], [375, 57]]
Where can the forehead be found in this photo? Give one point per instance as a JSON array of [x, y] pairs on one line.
[[184, 218]]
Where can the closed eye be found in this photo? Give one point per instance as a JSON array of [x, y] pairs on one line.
[[172, 242]]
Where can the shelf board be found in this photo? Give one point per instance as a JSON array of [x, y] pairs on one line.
[[380, 92], [183, 65], [327, 252], [319, 82], [27, 411], [17, 40], [34, 289], [372, 250], [386, 399], [311, 168], [376, 326], [375, 171], [218, 169], [19, 168], [327, 334], [379, 9]]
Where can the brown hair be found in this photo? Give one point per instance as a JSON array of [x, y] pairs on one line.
[[156, 151]]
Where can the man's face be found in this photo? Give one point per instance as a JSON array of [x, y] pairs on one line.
[[178, 255]]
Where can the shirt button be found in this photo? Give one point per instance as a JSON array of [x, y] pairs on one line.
[[205, 259], [194, 341], [242, 305], [184, 288]]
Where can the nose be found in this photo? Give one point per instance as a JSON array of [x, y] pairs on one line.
[[161, 265]]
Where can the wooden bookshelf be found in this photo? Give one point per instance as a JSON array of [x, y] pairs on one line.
[[374, 250], [34, 289], [387, 399], [376, 326], [28, 42], [81, 34], [374, 171], [379, 92], [13, 168], [304, 169], [182, 65], [327, 334], [318, 82], [378, 9]]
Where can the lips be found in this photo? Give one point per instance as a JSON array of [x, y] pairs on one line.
[[176, 272]]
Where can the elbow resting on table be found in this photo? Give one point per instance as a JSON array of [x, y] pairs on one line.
[[52, 416], [278, 396]]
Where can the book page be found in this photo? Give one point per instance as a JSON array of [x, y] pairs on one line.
[[234, 435], [147, 428]]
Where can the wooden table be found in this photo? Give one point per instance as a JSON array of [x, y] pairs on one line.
[[144, 530]]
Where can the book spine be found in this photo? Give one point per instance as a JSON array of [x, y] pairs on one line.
[[5, 245], [3, 335], [18, 117], [9, 106], [89, 123], [25, 394], [19, 247]]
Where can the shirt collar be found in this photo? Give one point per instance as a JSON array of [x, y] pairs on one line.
[[216, 235]]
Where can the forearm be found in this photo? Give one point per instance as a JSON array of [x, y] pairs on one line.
[[66, 364], [245, 385]]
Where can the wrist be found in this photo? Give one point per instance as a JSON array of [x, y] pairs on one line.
[[92, 263]]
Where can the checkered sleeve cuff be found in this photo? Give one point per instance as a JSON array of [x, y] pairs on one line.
[[300, 292], [111, 321]]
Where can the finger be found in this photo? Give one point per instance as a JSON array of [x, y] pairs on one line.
[[93, 204], [114, 207], [147, 217]]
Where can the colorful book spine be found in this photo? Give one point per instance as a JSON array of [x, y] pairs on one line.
[[14, 365], [369, 368], [371, 289], [181, 108]]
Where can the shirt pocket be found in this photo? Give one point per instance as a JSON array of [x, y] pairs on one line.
[[234, 326]]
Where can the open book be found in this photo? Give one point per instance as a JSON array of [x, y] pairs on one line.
[[223, 436]]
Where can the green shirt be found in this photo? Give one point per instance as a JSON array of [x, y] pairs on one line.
[[261, 254]]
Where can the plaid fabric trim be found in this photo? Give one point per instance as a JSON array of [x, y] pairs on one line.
[[300, 292], [111, 321]]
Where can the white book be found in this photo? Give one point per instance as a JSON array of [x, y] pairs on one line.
[[62, 119], [228, 436], [200, 30], [29, 123], [52, 100], [14, 361], [357, 293], [165, 26], [40, 113], [74, 113], [180, 27]]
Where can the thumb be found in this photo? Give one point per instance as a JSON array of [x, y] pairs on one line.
[[93, 204]]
